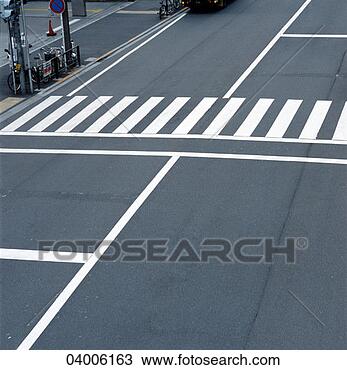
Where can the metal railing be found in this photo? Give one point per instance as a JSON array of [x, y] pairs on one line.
[[55, 65]]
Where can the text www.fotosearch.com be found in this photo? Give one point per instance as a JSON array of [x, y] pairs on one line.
[[189, 360]]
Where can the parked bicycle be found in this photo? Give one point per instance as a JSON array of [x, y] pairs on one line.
[[168, 7], [49, 63], [13, 79]]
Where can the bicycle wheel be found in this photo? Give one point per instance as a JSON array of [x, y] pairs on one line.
[[34, 75], [162, 11], [10, 83]]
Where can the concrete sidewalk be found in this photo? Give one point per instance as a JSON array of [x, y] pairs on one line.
[[37, 16], [107, 25]]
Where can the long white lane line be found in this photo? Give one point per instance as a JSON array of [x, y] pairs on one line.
[[63, 297], [280, 140], [73, 21], [313, 36], [126, 55], [93, 19], [208, 155], [43, 256], [262, 55]]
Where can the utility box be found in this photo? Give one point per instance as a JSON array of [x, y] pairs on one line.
[[79, 8]]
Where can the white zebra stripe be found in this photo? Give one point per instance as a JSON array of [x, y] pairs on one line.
[[112, 113], [31, 113], [165, 116], [224, 116], [315, 120], [54, 116], [341, 128], [84, 114], [254, 117], [194, 116], [284, 119], [138, 115]]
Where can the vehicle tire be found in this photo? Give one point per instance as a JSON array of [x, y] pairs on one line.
[[177, 4], [222, 4], [193, 7]]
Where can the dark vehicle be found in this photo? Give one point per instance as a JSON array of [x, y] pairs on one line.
[[196, 4]]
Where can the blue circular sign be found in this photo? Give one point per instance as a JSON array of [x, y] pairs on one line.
[[57, 6]]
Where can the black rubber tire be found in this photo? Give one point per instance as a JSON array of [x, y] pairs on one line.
[[222, 4], [193, 7], [177, 4], [10, 83], [162, 12]]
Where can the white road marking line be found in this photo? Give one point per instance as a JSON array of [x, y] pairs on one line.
[[43, 256], [90, 59], [55, 115], [224, 116], [126, 55], [194, 116], [341, 128], [84, 114], [112, 113], [284, 119], [70, 288], [138, 115], [262, 55], [316, 119], [149, 12], [165, 116], [73, 21], [111, 135], [143, 153], [31, 113], [254, 117], [313, 36], [92, 20]]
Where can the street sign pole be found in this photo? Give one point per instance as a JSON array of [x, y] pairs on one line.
[[12, 57], [66, 33], [29, 82], [15, 31], [61, 7]]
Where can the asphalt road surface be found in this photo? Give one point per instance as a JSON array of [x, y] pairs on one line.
[[226, 125]]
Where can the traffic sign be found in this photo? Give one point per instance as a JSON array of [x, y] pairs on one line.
[[57, 6]]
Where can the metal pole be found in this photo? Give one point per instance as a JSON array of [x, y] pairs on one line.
[[66, 33], [10, 34], [26, 49], [19, 49]]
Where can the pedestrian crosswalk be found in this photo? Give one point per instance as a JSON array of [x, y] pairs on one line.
[[184, 116]]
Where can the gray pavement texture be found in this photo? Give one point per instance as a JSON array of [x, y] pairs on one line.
[[98, 33], [187, 305]]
